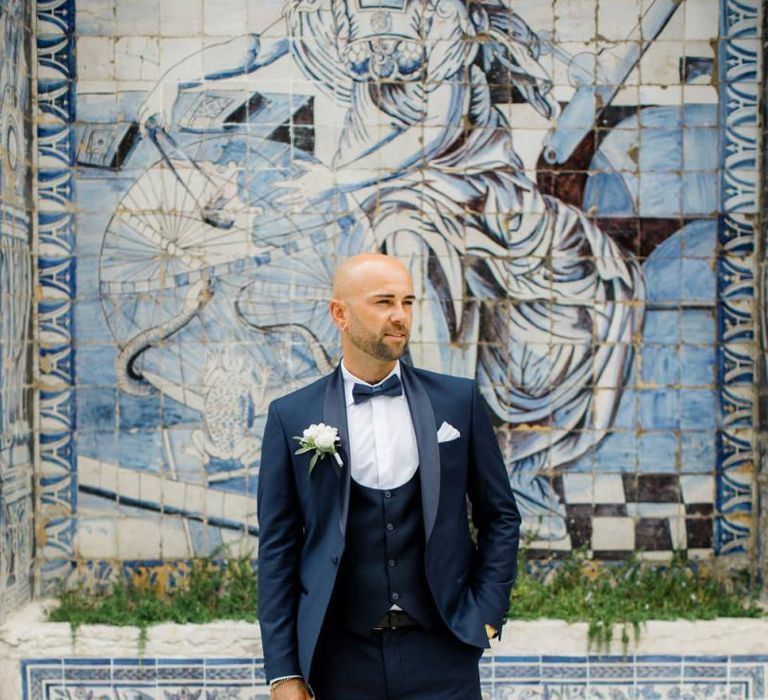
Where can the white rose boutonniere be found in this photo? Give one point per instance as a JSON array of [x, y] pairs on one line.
[[322, 439]]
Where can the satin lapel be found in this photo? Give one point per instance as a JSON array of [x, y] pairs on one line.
[[423, 418], [335, 415]]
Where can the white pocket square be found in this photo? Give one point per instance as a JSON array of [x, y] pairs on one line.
[[447, 432]]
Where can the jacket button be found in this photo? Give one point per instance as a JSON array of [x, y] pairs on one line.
[[387, 494], [395, 597], [390, 527], [391, 563]]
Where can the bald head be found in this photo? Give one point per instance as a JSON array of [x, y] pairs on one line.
[[371, 305], [360, 272]]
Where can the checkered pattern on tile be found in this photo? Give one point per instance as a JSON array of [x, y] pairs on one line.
[[615, 514]]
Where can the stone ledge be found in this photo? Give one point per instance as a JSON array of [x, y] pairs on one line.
[[26, 634]]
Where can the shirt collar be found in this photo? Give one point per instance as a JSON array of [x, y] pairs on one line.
[[350, 380]]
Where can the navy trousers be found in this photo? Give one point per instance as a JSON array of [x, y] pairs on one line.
[[409, 663]]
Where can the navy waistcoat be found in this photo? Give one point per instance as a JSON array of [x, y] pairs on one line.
[[383, 562]]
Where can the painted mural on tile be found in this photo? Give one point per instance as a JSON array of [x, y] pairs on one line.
[[15, 306], [502, 678], [559, 177]]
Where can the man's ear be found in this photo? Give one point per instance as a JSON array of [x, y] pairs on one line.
[[338, 311]]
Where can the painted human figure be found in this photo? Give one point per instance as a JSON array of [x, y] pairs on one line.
[[521, 290]]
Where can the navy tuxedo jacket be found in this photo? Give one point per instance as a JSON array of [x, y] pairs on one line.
[[302, 517]]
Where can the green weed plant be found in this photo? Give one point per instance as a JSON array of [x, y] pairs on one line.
[[210, 590], [628, 593], [576, 590]]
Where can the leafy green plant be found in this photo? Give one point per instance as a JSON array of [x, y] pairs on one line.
[[627, 593], [577, 589], [210, 590]]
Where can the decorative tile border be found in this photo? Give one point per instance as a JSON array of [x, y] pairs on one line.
[[54, 119], [16, 299], [617, 678], [740, 84], [503, 678], [147, 679]]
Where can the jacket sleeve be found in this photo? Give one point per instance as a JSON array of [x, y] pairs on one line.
[[280, 540], [496, 517]]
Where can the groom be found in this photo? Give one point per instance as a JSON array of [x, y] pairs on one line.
[[370, 584]]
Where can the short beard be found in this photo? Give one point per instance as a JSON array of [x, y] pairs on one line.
[[376, 347]]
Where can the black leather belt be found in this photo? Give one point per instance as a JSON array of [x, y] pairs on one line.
[[393, 619]]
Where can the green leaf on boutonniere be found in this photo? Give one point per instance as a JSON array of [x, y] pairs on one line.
[[322, 439]]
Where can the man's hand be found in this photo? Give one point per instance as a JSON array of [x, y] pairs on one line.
[[291, 689], [491, 631]]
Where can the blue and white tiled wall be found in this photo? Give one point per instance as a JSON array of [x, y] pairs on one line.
[[16, 506], [575, 196], [503, 678]]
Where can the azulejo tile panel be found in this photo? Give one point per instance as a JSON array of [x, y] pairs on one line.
[[15, 308], [503, 678], [574, 198], [55, 114]]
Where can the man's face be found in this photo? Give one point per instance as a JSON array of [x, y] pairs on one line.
[[379, 314]]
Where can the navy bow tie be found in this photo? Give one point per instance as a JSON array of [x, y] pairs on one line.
[[390, 387]]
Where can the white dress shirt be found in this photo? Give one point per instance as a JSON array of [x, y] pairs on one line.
[[382, 442]]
